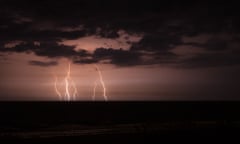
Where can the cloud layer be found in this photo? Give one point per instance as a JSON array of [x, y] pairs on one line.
[[123, 35]]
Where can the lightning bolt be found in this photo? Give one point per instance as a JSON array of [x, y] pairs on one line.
[[102, 82], [94, 90], [75, 92], [67, 94], [70, 87], [56, 89]]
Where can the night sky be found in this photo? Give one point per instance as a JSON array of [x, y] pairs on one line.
[[145, 50]]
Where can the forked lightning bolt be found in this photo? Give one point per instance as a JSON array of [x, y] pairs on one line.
[[102, 84], [70, 87], [56, 88]]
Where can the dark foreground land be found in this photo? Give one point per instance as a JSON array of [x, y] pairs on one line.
[[117, 122]]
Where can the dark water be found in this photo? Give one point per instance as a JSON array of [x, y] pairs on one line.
[[116, 121]]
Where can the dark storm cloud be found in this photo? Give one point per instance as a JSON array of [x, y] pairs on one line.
[[210, 60], [43, 64], [216, 44], [157, 42], [47, 49], [57, 50], [163, 26], [27, 34], [118, 57], [108, 34], [164, 58], [85, 61]]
